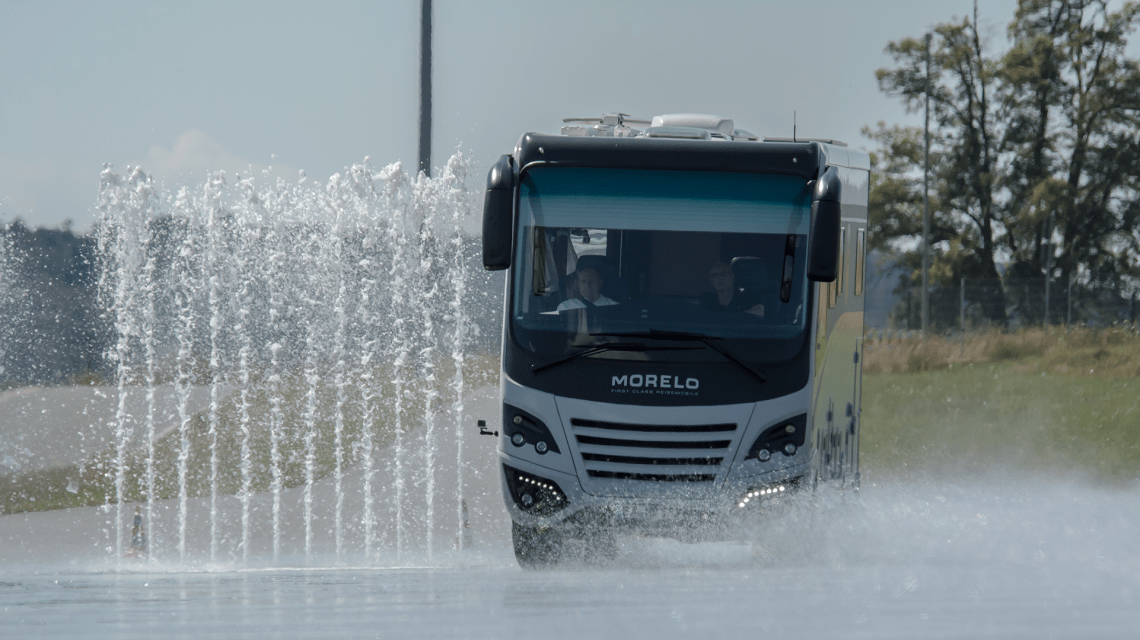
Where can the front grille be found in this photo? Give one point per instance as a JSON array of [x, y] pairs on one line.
[[599, 457], [654, 477], [652, 452], [654, 428], [615, 442]]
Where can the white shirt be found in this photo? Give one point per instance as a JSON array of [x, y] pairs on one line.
[[575, 303]]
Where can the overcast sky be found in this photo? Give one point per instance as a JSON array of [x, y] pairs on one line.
[[183, 88]]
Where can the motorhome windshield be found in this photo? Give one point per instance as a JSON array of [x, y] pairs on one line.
[[622, 251]]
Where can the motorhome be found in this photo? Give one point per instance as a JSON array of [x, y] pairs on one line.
[[683, 325]]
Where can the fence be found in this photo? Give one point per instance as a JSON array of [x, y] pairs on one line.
[[976, 305]]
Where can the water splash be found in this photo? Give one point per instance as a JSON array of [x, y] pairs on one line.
[[398, 238], [340, 378], [151, 355], [185, 286], [312, 379], [214, 275], [457, 276], [276, 424], [428, 290], [330, 324]]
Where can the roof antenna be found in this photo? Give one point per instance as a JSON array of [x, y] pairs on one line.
[[793, 126]]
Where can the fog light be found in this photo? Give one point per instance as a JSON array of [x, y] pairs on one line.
[[518, 439], [540, 446], [766, 455], [534, 494], [790, 449]]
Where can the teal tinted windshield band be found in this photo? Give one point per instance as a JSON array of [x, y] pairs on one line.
[[664, 200]]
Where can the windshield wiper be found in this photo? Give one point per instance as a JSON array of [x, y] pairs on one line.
[[609, 346], [710, 341]]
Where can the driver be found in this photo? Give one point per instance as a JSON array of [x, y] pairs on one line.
[[726, 297], [589, 291]]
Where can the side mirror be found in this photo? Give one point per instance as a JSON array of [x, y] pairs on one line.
[[823, 236], [498, 214]]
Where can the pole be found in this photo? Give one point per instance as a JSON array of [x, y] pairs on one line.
[[909, 308], [1069, 313], [962, 314], [926, 200], [1048, 267], [425, 87]]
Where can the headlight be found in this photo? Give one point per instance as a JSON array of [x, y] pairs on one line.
[[778, 437], [523, 428]]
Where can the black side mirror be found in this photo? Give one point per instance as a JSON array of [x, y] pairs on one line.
[[498, 214], [823, 237]]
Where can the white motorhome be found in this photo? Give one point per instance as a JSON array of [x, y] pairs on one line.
[[683, 326]]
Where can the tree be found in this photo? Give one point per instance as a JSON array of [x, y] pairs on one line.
[[1037, 149], [1074, 101], [964, 108], [896, 185]]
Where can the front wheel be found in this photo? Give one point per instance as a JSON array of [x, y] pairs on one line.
[[536, 547]]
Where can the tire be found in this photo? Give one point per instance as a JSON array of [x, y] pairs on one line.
[[536, 547]]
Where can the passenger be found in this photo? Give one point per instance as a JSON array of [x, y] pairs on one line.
[[589, 291], [726, 297]]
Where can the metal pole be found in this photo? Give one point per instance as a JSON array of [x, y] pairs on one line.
[[909, 307], [962, 314], [425, 87], [926, 201], [1069, 313], [1048, 267]]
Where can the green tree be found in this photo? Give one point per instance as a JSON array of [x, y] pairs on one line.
[[1074, 103], [896, 185], [965, 110], [1036, 150]]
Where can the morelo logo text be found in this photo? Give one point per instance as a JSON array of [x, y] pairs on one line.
[[639, 381]]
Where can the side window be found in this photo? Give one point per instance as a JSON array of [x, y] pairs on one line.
[[824, 293], [860, 257], [836, 288], [841, 279]]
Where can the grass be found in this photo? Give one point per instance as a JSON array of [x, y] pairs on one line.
[[1110, 352], [1062, 405], [93, 481]]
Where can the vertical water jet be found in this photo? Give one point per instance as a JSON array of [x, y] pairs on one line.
[[184, 294], [339, 378], [150, 321], [304, 329], [214, 295]]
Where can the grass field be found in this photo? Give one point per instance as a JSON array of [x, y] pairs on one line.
[[93, 481], [1054, 406]]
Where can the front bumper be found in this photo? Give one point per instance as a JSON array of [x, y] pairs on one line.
[[559, 500]]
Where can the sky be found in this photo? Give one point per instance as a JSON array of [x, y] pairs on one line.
[[181, 89]]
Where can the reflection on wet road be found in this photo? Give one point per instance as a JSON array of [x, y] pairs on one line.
[[903, 562]]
